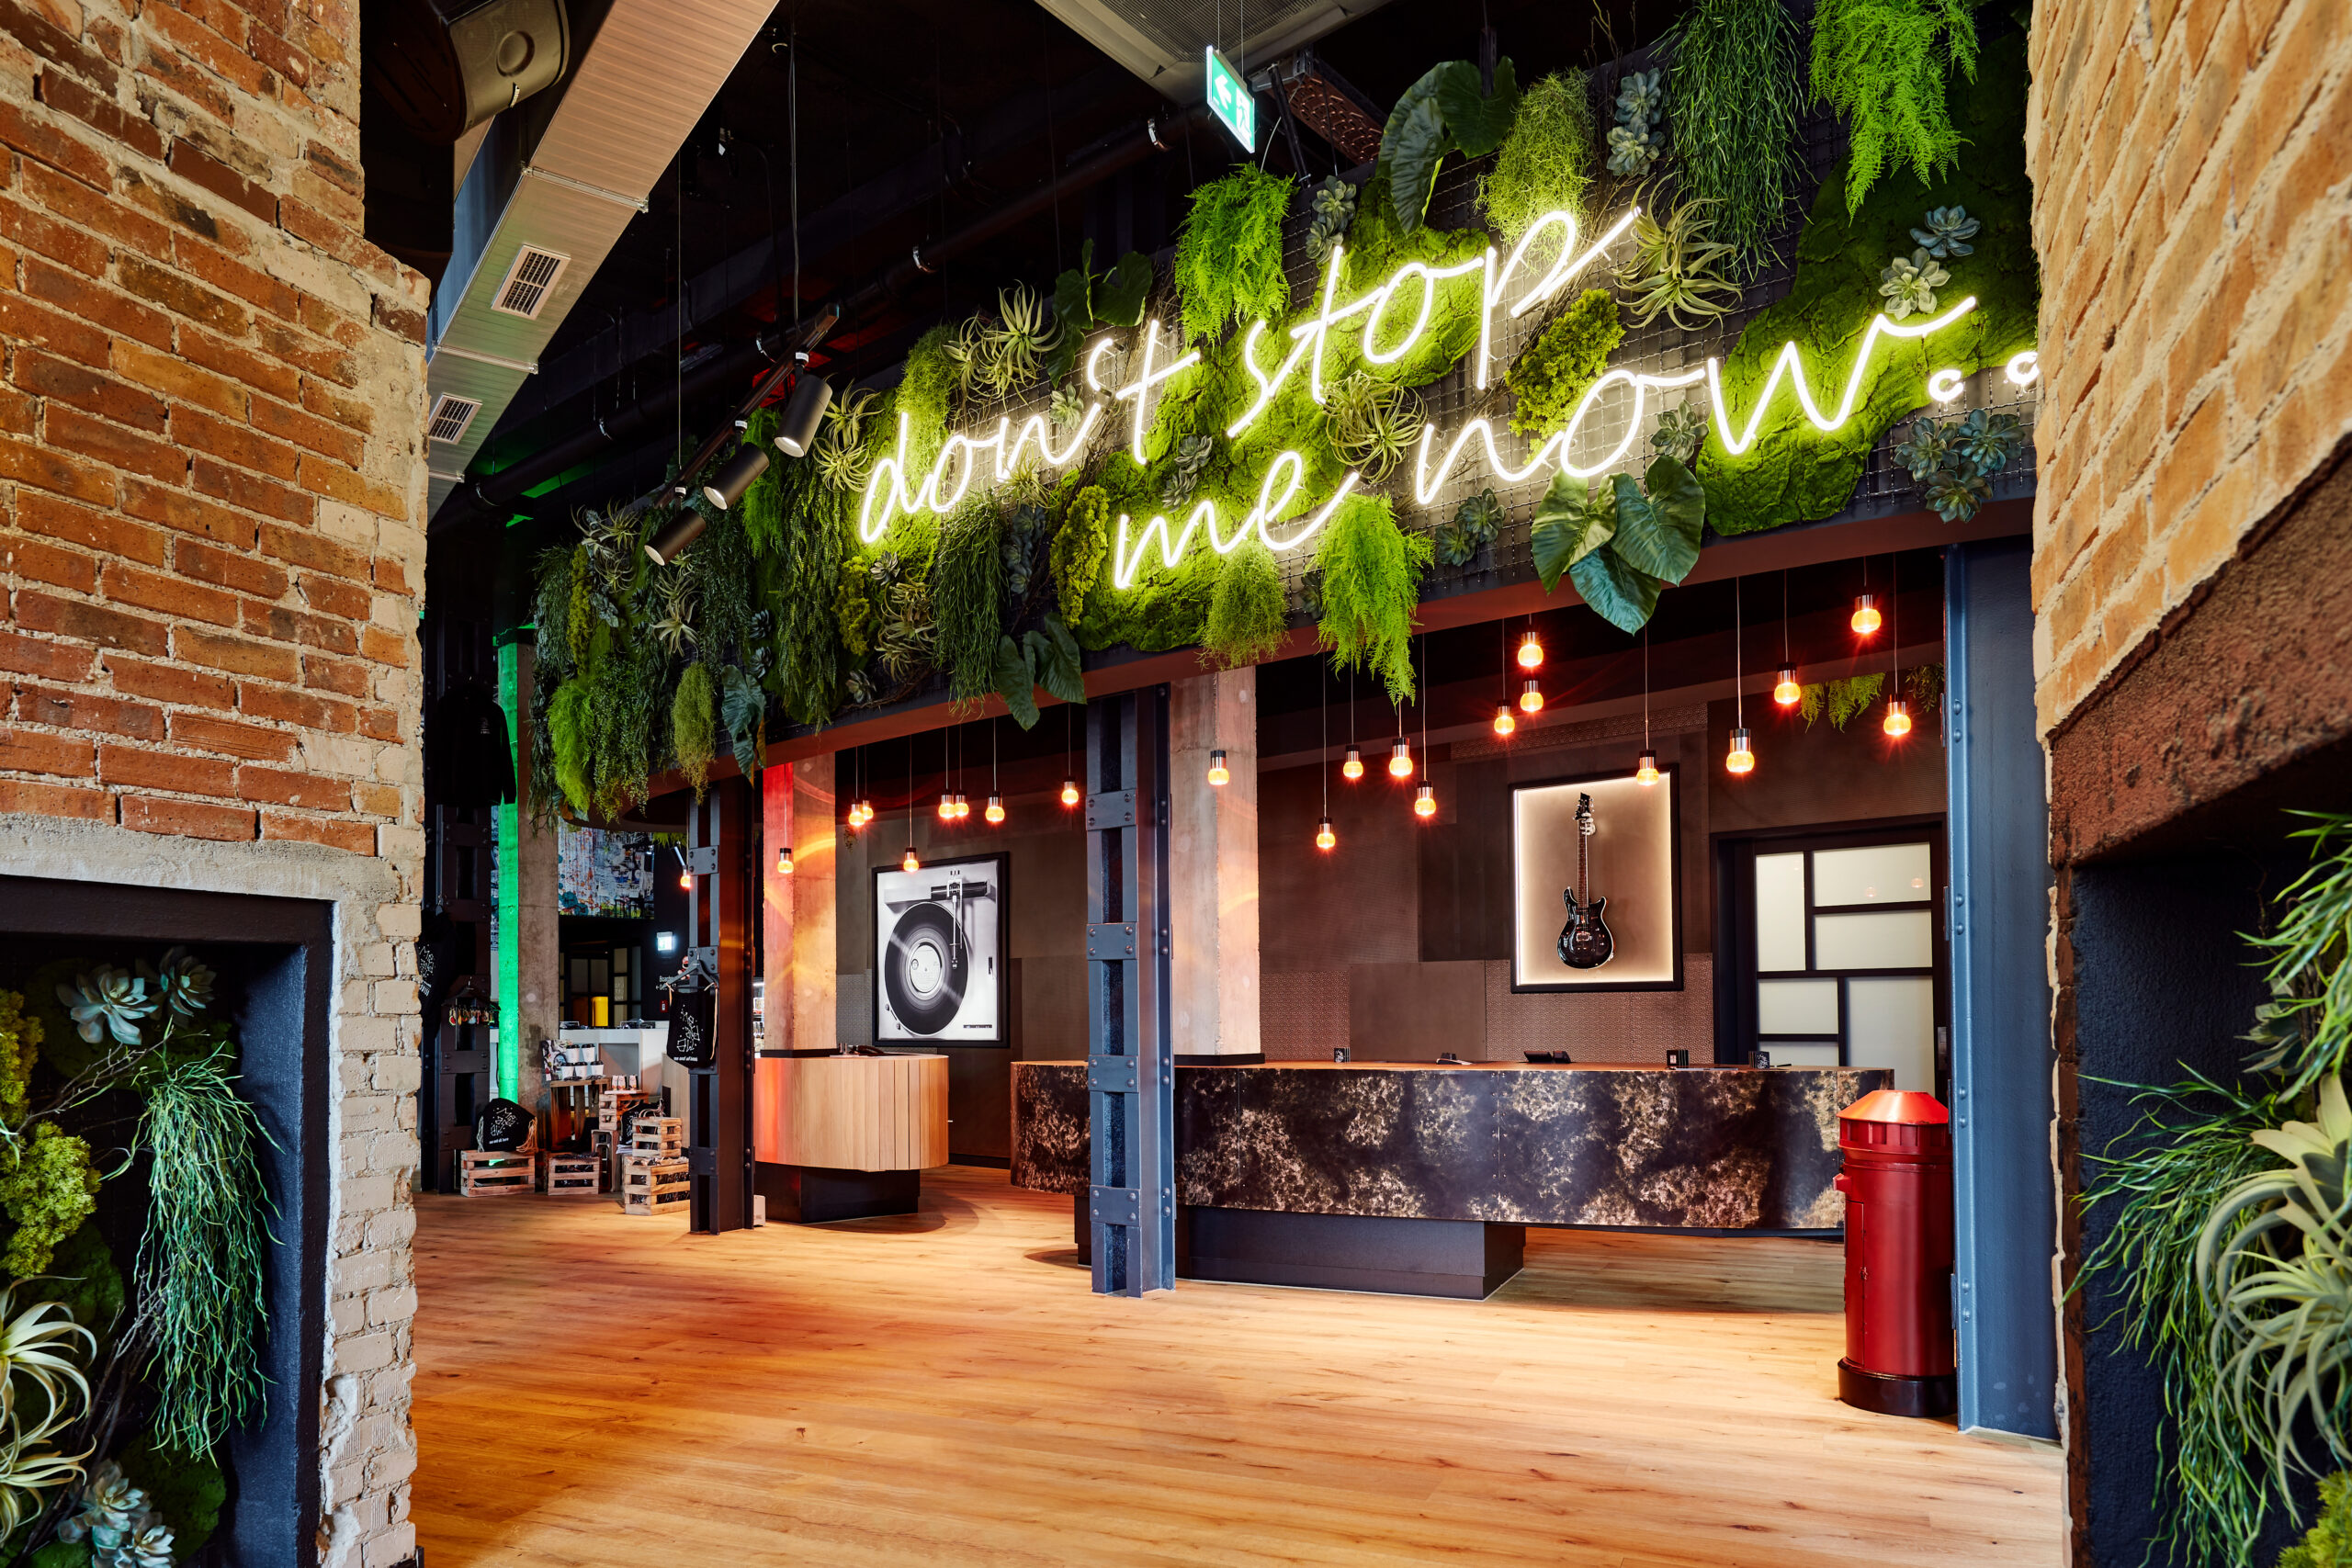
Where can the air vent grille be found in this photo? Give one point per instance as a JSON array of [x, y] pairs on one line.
[[451, 414], [529, 282]]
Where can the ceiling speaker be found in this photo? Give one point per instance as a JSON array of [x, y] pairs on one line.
[[445, 66]]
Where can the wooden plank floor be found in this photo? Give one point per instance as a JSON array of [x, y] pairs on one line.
[[943, 1389]]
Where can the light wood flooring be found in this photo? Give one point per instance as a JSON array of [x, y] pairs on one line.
[[943, 1389]]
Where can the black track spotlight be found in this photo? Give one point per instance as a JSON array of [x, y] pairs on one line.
[[726, 487], [670, 540], [812, 395]]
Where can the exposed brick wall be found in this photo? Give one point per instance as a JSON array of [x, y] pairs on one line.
[[211, 499], [2192, 167]]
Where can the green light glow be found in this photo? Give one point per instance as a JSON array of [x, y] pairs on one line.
[[506, 1057]]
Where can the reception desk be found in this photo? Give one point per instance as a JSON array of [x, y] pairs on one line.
[[847, 1137], [1281, 1165]]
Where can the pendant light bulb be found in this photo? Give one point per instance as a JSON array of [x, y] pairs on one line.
[[946, 806], [1785, 691], [686, 880], [1425, 801], [1531, 697], [783, 861], [1069, 792], [1352, 769], [1324, 837], [909, 861], [1504, 723], [1531, 653], [995, 812], [1219, 775], [1897, 722], [1866, 616], [864, 812], [963, 805], [1400, 760], [1742, 760], [1645, 773]]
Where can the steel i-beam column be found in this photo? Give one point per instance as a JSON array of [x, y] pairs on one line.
[[1130, 1058], [723, 856]]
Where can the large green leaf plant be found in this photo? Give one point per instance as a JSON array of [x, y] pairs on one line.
[[1621, 543]]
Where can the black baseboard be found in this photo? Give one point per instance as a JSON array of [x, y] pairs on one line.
[[986, 1162], [813, 1195]]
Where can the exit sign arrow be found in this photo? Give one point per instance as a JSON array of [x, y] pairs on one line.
[[1231, 101]]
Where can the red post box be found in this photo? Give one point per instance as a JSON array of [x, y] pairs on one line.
[[1897, 1182]]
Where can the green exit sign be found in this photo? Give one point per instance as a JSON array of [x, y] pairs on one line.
[[1230, 101]]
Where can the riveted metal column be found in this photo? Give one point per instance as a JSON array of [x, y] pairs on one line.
[[1130, 1060]]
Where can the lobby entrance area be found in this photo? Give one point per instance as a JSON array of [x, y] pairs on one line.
[[943, 1388]]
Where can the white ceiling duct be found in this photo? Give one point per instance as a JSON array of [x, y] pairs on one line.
[[528, 239], [1164, 41]]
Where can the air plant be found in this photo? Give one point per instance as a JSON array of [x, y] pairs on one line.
[[1910, 283], [1371, 423], [1011, 353], [841, 459], [38, 1354], [964, 350], [1947, 229], [673, 627], [1676, 270]]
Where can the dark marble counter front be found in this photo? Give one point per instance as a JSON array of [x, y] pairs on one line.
[[1697, 1148]]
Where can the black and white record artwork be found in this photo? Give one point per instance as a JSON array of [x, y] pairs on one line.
[[938, 948]]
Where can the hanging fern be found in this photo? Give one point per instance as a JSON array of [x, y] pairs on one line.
[[1841, 700], [967, 599], [1885, 66], [1739, 95], [568, 737], [1248, 615], [694, 725], [1229, 259], [1371, 586]]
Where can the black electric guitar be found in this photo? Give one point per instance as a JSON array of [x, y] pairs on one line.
[[1585, 941]]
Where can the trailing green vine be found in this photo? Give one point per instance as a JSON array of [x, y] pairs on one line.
[[1372, 591], [1229, 257], [1739, 95], [1248, 617]]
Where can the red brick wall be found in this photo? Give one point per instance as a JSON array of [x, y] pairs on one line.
[[211, 491], [2192, 166]]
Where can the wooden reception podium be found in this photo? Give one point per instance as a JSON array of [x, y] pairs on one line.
[[848, 1137]]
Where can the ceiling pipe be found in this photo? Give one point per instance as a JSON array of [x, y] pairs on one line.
[[491, 497]]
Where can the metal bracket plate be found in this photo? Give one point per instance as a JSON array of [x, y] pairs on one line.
[[1113, 943], [1111, 1075], [703, 861], [1112, 1206], [1110, 809]]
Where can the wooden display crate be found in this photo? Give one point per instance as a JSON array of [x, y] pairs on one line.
[[657, 1135], [654, 1186], [571, 1176], [483, 1173]]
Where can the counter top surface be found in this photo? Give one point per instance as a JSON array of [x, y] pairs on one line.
[[1736, 1148]]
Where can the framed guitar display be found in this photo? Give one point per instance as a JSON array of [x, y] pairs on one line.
[[1597, 884]]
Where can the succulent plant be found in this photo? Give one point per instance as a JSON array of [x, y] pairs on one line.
[[839, 455], [150, 1547], [1987, 440], [107, 999], [1473, 525], [1680, 432], [1192, 457], [1676, 270], [181, 982], [1334, 209], [1927, 449], [1067, 410], [1948, 230], [1910, 283], [1371, 423], [106, 1507], [1954, 494], [1638, 139]]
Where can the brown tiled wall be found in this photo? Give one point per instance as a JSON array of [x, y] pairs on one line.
[[2192, 167], [208, 429]]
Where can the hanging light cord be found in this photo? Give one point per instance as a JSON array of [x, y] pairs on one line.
[[1645, 686], [1784, 617], [1738, 669], [1323, 695]]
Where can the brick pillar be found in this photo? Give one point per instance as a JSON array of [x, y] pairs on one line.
[[1213, 867]]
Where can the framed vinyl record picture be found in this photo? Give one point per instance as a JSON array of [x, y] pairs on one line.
[[1596, 885], [939, 953]]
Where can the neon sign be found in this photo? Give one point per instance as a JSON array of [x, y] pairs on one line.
[[1407, 296]]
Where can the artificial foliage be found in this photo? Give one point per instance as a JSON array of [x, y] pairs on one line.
[[1450, 109], [1737, 76], [1330, 211], [1562, 364], [694, 725], [1249, 617], [967, 585], [48, 1186], [1638, 139], [1371, 589], [1472, 528], [1228, 266], [1545, 164], [1621, 543], [1796, 473], [2328, 1543], [2223, 1257], [1840, 701], [1885, 67], [1955, 461], [1678, 268], [1080, 545]]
